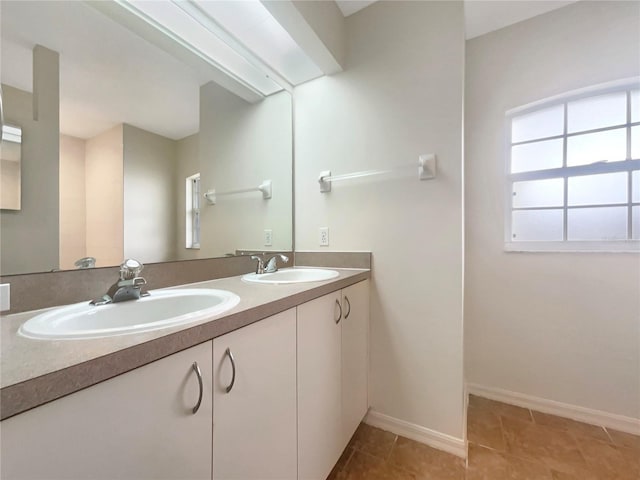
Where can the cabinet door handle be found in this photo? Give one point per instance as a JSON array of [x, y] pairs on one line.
[[196, 369], [340, 307], [233, 369], [346, 299]]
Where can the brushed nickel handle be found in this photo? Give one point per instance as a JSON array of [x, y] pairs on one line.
[[340, 307], [196, 369], [346, 315], [233, 369]]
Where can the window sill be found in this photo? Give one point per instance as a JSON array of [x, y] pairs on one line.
[[623, 246]]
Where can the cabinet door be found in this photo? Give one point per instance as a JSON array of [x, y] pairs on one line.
[[139, 425], [319, 387], [254, 424], [355, 357]]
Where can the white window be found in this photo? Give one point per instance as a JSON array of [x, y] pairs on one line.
[[574, 172], [193, 211]]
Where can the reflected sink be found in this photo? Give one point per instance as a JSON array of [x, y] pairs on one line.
[[292, 275], [161, 309]]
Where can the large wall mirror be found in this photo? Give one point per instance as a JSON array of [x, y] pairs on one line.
[[123, 133]]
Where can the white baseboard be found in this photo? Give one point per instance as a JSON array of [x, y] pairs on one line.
[[434, 439], [582, 414]]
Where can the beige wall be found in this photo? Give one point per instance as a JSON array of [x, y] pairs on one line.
[[149, 196], [104, 187], [240, 145], [73, 205], [400, 96], [559, 326], [29, 237]]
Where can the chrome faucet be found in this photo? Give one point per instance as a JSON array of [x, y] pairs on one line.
[[270, 265], [128, 287]]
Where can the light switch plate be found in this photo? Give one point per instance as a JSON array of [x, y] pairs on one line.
[[5, 293]]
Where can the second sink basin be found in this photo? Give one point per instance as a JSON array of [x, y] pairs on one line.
[[292, 275], [161, 309]]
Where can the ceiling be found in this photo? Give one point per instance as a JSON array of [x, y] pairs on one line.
[[110, 75], [481, 16]]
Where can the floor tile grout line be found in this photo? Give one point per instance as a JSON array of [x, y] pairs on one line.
[[609, 435], [393, 445]]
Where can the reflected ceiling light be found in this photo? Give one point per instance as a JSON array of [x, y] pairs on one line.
[[185, 23], [11, 134], [240, 38]]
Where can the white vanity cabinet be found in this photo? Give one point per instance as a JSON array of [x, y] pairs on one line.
[[139, 425], [332, 376], [355, 357], [254, 420]]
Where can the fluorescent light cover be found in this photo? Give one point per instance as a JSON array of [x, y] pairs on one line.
[[176, 23], [253, 26]]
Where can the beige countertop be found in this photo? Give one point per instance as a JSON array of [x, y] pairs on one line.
[[33, 372]]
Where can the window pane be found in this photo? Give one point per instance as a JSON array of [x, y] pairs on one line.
[[635, 143], [635, 105], [536, 156], [610, 145], [598, 189], [538, 193], [540, 124], [600, 223], [597, 112], [635, 186], [536, 225], [635, 222]]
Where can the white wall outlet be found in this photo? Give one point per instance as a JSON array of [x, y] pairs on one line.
[[324, 236], [268, 238], [5, 293]]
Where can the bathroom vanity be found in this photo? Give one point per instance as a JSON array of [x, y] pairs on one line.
[[272, 389]]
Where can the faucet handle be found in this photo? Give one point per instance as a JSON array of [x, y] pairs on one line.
[[130, 269]]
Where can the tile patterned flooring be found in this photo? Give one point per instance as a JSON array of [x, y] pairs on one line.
[[505, 443]]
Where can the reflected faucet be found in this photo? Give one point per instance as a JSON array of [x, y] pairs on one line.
[[85, 262], [128, 287], [270, 265]]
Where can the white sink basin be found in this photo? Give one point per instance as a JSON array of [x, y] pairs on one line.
[[292, 275], [161, 309]]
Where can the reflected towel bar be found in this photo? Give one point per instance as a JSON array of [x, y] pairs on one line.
[[265, 187]]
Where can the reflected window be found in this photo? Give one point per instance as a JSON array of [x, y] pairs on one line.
[[573, 170], [193, 211]]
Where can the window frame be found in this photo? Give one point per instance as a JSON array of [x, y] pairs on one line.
[[628, 165]]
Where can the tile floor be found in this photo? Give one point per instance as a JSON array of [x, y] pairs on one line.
[[505, 443]]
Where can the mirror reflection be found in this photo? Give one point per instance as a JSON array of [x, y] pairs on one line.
[[123, 136], [10, 155]]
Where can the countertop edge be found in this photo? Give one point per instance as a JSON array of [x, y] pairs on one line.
[[32, 393]]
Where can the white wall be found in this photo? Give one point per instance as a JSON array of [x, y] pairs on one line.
[[29, 239], [239, 145], [149, 196], [560, 326], [399, 96]]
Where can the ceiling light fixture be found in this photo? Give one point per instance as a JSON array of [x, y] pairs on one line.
[[187, 25]]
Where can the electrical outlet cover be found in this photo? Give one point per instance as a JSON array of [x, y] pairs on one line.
[[268, 238], [324, 236]]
